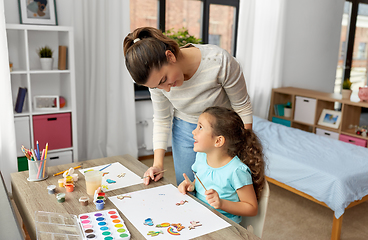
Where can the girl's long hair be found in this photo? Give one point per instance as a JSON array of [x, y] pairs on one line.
[[240, 142], [144, 50]]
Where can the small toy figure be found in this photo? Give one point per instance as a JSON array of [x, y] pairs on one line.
[[178, 226], [181, 202], [194, 224], [163, 225], [148, 222], [153, 233], [172, 232], [363, 94]]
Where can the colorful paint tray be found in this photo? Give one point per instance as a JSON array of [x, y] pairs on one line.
[[51, 225], [104, 225]]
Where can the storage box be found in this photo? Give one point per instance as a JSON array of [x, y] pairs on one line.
[[59, 158], [22, 134], [54, 129], [305, 110], [326, 133], [281, 121], [22, 164], [353, 140]]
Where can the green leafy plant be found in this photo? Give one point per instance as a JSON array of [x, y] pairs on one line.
[[288, 105], [346, 84], [182, 37], [45, 52]]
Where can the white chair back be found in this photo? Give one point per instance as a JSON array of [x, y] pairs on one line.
[[257, 222]]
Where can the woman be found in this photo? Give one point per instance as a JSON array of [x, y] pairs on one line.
[[183, 82]]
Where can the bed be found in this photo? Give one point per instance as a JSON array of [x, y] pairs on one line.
[[326, 171]]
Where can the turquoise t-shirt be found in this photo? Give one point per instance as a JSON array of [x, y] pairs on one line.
[[225, 180]]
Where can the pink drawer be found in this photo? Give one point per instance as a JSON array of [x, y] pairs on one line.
[[54, 129], [353, 140]]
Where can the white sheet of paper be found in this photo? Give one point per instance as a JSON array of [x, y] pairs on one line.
[[114, 170], [159, 204]]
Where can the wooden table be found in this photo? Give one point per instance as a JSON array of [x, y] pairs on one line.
[[33, 196]]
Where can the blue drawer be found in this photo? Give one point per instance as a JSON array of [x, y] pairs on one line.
[[284, 122]]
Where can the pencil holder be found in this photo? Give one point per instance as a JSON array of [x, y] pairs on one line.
[[37, 170]]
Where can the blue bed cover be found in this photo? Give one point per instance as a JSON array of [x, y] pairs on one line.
[[331, 171]]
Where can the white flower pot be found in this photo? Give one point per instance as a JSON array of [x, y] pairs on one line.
[[346, 93], [287, 112], [46, 63]]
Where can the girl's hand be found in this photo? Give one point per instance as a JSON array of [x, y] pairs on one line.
[[151, 175], [213, 198], [186, 185]]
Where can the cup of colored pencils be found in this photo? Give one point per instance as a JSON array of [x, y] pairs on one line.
[[37, 163]]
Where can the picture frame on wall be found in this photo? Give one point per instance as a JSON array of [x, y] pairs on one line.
[[37, 12], [330, 118]]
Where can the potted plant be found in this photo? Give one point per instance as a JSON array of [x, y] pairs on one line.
[[346, 91], [287, 110], [182, 37], [45, 54]]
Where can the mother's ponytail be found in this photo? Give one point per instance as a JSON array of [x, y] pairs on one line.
[[144, 49]]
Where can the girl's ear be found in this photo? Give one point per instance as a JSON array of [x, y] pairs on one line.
[[170, 56], [220, 141]]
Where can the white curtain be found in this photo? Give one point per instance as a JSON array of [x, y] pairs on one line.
[[105, 91], [8, 155], [259, 49]]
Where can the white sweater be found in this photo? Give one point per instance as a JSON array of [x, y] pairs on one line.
[[218, 81]]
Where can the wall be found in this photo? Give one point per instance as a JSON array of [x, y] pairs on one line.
[[312, 37]]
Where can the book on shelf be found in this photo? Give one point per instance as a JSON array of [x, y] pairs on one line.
[[62, 57], [279, 109], [20, 99]]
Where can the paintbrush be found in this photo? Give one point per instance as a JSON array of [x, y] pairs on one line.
[[156, 173], [199, 180]]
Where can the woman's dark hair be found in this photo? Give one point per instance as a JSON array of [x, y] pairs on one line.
[[240, 142], [148, 53]]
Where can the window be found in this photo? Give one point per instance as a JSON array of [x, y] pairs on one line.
[[202, 18], [353, 62]]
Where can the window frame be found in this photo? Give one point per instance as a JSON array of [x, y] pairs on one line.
[[205, 17], [351, 37]]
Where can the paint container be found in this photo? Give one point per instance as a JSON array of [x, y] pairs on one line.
[[61, 182], [68, 179], [60, 197], [51, 189], [37, 170], [75, 177], [101, 198], [100, 204], [69, 187], [83, 201]]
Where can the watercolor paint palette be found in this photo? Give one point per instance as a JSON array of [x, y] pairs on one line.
[[103, 225]]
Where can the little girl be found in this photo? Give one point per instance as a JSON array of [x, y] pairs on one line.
[[229, 163]]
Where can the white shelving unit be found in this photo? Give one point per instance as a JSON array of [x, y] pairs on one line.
[[23, 41]]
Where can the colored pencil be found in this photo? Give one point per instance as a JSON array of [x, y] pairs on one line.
[[105, 167], [47, 147], [38, 150], [56, 174], [156, 173], [199, 180]]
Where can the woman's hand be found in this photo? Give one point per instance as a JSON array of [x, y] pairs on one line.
[[150, 173], [213, 198], [186, 185]]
